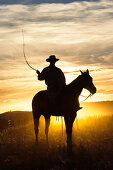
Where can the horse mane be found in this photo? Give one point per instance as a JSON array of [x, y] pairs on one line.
[[74, 82]]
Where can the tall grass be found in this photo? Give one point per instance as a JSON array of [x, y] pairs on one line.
[[92, 146]]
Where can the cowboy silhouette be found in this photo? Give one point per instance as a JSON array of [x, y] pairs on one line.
[[54, 78]]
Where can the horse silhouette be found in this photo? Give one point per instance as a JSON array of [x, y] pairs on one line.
[[66, 104]]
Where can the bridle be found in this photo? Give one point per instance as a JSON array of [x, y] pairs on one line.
[[86, 97]]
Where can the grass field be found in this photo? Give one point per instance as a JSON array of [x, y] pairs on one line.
[[92, 146]]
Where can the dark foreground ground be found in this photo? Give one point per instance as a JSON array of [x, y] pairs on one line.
[[92, 146]]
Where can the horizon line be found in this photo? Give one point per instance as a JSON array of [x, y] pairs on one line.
[[31, 110]]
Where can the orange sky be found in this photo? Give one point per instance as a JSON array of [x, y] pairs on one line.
[[81, 39]]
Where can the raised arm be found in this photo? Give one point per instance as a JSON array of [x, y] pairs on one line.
[[41, 76]]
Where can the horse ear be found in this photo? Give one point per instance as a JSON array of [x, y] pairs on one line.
[[87, 71], [81, 72]]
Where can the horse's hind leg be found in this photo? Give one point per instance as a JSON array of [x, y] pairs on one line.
[[47, 123], [69, 124], [36, 127]]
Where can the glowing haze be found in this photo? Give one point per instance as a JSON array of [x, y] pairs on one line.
[[79, 33]]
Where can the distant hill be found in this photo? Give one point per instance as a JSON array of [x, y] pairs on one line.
[[98, 108], [16, 118], [17, 115]]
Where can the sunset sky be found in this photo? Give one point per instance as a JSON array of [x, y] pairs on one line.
[[79, 33]]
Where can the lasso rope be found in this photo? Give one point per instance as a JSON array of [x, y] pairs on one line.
[[24, 52]]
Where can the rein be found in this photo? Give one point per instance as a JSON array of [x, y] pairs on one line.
[[24, 53], [86, 97]]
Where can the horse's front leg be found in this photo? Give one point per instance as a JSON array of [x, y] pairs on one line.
[[69, 125], [36, 127], [47, 124]]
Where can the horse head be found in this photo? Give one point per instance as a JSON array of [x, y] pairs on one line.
[[88, 82]]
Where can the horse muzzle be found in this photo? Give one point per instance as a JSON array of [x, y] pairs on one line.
[[93, 91]]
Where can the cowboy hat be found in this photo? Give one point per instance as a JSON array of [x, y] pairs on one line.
[[52, 58]]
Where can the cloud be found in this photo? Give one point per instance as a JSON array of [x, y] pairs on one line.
[[79, 33], [105, 91], [30, 2], [50, 13]]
